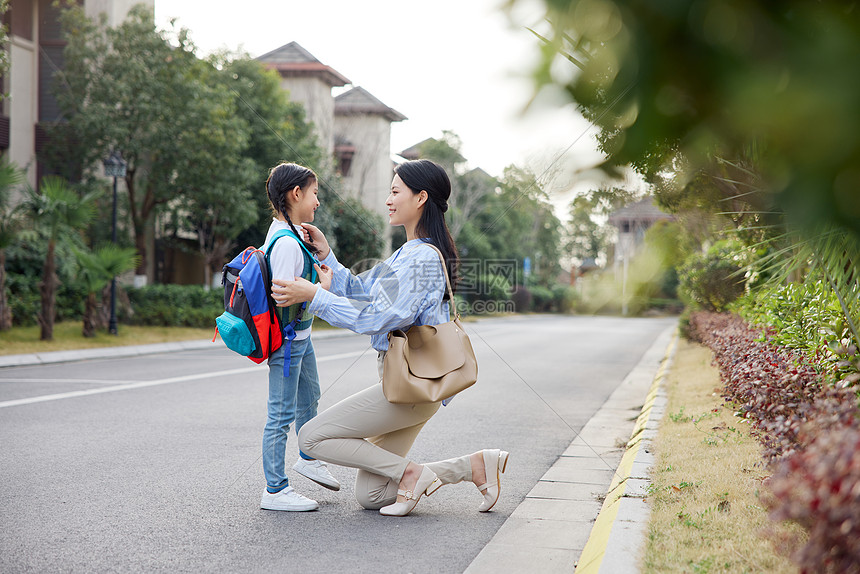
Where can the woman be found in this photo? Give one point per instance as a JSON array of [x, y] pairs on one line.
[[293, 397], [365, 431]]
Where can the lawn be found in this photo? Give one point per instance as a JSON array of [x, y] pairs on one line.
[[67, 337], [706, 516]]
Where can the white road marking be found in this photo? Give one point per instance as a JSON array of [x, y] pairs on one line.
[[84, 381], [142, 384]]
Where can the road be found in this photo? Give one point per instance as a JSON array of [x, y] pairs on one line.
[[152, 463]]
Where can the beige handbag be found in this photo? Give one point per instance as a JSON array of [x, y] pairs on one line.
[[429, 363]]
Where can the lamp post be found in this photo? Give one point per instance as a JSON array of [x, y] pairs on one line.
[[114, 167]]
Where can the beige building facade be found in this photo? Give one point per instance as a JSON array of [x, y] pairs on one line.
[[35, 53], [354, 127]]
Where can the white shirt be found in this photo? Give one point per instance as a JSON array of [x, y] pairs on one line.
[[287, 261]]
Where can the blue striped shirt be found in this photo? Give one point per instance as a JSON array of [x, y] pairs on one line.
[[404, 290]]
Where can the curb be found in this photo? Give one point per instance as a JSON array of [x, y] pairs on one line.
[[549, 529], [54, 357], [617, 535]]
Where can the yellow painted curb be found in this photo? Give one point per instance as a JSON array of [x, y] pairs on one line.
[[592, 555]]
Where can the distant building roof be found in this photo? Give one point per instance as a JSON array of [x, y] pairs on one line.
[[360, 101], [291, 60], [414, 152], [478, 172], [642, 210]]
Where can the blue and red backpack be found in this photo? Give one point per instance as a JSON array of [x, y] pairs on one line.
[[252, 325]]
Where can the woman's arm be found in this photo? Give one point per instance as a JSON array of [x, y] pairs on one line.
[[394, 302]]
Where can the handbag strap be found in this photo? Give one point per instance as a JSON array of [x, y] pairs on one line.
[[447, 279]]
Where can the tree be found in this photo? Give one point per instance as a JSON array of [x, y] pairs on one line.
[[4, 40], [513, 223], [468, 188], [356, 232], [277, 131], [144, 93], [10, 223], [588, 232], [706, 82], [98, 268], [55, 209]]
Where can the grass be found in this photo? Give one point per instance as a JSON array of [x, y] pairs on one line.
[[706, 516], [67, 337]]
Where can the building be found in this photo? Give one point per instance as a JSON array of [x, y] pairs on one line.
[[35, 53], [632, 222], [354, 127]]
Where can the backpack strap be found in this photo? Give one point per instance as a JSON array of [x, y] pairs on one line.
[[289, 327], [288, 232]]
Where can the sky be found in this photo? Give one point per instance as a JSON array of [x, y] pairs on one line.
[[446, 65]]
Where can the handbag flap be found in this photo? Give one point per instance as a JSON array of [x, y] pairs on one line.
[[432, 351]]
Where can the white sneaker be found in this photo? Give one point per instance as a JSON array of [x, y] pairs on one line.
[[287, 499], [317, 471]]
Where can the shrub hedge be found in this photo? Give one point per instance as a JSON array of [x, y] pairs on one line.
[[174, 306], [810, 432]]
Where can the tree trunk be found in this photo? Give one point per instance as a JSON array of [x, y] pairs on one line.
[[48, 288], [90, 319], [5, 310], [103, 310], [140, 245]]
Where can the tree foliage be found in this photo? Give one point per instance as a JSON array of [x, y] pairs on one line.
[[144, 93], [97, 269], [55, 210], [11, 177], [588, 233], [707, 80]]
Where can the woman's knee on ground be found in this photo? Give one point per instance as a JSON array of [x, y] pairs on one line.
[[373, 491], [308, 442]]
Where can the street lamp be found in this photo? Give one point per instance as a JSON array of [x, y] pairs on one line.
[[114, 167]]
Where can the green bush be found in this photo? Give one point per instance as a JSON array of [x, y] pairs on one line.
[[175, 306], [493, 287], [25, 301], [565, 298], [522, 298], [542, 299], [806, 317], [712, 280]]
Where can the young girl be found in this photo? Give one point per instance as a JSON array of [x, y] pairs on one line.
[[293, 397], [365, 431]]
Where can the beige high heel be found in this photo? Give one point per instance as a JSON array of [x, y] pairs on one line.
[[495, 460], [412, 496]]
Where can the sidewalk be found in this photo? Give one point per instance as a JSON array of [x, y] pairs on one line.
[[585, 514], [562, 520], [133, 350]]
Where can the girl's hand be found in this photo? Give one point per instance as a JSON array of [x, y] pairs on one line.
[[325, 274], [315, 236], [286, 293]]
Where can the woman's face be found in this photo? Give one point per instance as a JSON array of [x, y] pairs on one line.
[[404, 206], [307, 203]]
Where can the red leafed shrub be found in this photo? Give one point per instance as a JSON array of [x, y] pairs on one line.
[[819, 488], [810, 433]]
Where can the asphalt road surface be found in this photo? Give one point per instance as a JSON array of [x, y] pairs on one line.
[[156, 466]]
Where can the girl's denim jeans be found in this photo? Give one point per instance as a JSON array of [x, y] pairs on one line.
[[291, 399]]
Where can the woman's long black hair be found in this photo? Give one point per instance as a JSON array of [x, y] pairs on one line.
[[283, 178], [423, 174]]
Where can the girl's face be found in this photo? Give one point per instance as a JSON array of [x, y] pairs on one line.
[[302, 208], [404, 206]]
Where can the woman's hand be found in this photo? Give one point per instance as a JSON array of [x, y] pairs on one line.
[[286, 293], [315, 236], [325, 274]]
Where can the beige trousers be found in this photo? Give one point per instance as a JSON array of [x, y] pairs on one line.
[[367, 432]]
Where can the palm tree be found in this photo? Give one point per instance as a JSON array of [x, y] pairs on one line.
[[97, 269], [56, 209], [11, 177]]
